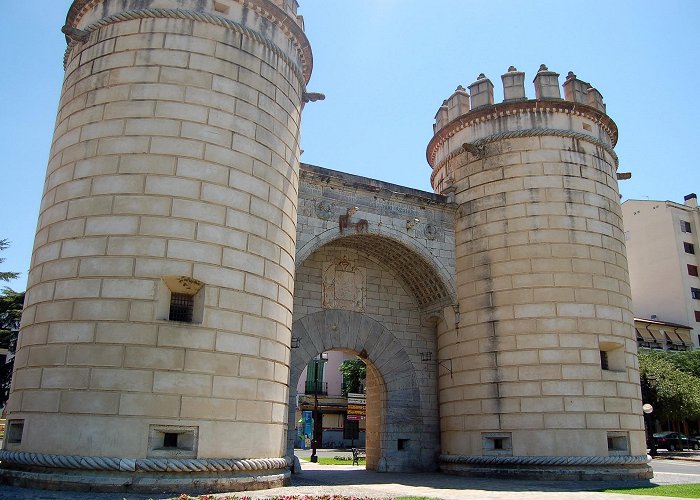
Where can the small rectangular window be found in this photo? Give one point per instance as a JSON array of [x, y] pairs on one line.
[[15, 429], [688, 247], [181, 307], [685, 227], [695, 293], [604, 364], [497, 443], [692, 270], [618, 443], [170, 441], [697, 318]]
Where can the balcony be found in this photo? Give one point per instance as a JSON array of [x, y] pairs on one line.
[[316, 387]]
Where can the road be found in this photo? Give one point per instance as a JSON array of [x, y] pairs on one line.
[[676, 471]]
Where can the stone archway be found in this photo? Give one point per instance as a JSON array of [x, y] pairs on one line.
[[397, 404]]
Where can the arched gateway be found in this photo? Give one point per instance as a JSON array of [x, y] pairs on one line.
[[394, 395], [374, 289]]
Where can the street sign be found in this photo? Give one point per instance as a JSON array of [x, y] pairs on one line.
[[354, 417], [356, 395], [357, 401]]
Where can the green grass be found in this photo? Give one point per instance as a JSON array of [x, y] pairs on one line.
[[335, 461], [671, 490]]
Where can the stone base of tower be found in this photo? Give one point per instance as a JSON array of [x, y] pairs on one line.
[[176, 479], [549, 468]]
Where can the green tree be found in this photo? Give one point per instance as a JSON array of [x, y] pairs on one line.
[[11, 304], [674, 393], [687, 361], [354, 372], [6, 275]]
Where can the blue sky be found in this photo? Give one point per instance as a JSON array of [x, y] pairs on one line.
[[386, 66]]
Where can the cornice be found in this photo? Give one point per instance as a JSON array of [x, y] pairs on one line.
[[487, 113]]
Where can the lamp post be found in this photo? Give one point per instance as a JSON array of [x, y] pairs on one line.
[[314, 441], [648, 409]]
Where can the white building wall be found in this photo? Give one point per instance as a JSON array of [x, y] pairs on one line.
[[658, 262]]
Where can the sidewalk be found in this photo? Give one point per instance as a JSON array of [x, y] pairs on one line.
[[318, 479]]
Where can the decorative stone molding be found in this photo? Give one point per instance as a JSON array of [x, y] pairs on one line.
[[303, 73], [518, 108], [477, 147], [545, 461], [143, 464]]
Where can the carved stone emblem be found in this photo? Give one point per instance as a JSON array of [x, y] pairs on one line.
[[344, 285], [430, 231], [324, 210]]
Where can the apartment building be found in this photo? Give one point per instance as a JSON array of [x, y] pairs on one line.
[[662, 251]]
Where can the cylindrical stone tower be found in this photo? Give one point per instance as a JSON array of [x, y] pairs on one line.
[[543, 374], [155, 341]]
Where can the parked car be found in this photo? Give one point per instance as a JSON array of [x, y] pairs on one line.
[[673, 441]]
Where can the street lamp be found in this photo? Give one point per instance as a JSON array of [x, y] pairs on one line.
[[647, 409], [321, 358]]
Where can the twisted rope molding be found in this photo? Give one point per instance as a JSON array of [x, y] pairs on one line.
[[143, 464], [192, 16], [531, 132], [545, 461]]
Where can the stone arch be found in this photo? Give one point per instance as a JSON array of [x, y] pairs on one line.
[[428, 279], [399, 407]]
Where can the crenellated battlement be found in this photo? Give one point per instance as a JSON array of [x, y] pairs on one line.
[[546, 86]]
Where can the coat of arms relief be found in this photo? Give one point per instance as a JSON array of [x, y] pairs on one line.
[[344, 285]]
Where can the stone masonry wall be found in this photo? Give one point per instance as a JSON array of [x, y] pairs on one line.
[[175, 155]]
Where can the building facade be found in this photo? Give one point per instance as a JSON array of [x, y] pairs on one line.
[[187, 269], [663, 250]]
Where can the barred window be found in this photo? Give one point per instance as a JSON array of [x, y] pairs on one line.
[[181, 307]]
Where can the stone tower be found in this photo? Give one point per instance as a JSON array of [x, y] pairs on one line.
[[158, 313], [543, 370]]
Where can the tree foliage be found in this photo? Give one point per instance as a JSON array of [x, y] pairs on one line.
[[673, 392], [6, 275], [354, 372], [11, 304]]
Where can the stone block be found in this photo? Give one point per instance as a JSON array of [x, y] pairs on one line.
[[126, 333], [602, 421], [522, 421], [65, 378], [234, 388], [564, 421], [193, 251], [540, 372], [40, 401], [26, 378], [95, 355], [151, 405], [92, 402], [254, 411], [257, 368], [542, 405], [185, 384], [102, 310], [152, 126], [121, 380], [208, 408], [71, 333], [154, 358], [213, 363], [179, 336]]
